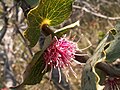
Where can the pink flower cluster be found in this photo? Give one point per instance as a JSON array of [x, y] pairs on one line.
[[59, 53], [3, 89], [112, 84]]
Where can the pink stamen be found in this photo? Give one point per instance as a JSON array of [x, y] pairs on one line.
[[59, 54]]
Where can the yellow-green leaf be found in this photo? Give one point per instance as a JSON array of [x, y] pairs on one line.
[[34, 71], [51, 12]]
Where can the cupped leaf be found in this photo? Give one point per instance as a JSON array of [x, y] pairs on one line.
[[110, 46], [34, 71], [102, 75], [113, 51], [51, 12], [90, 78]]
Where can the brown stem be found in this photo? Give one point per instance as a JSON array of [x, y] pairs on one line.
[[110, 69], [46, 30]]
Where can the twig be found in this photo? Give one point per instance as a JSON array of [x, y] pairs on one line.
[[8, 74], [88, 5], [109, 69], [96, 14], [5, 20], [17, 29], [24, 40], [7, 11]]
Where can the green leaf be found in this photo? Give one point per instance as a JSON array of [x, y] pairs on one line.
[[113, 51], [47, 42], [56, 11], [34, 71], [110, 46], [32, 3], [102, 75], [90, 78], [107, 39], [32, 34], [51, 12]]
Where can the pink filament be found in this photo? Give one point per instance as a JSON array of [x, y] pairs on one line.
[[59, 53]]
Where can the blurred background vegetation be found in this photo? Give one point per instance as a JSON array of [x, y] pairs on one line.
[[96, 17]]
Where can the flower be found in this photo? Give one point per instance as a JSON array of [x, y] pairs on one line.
[[112, 84], [60, 53], [3, 89]]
